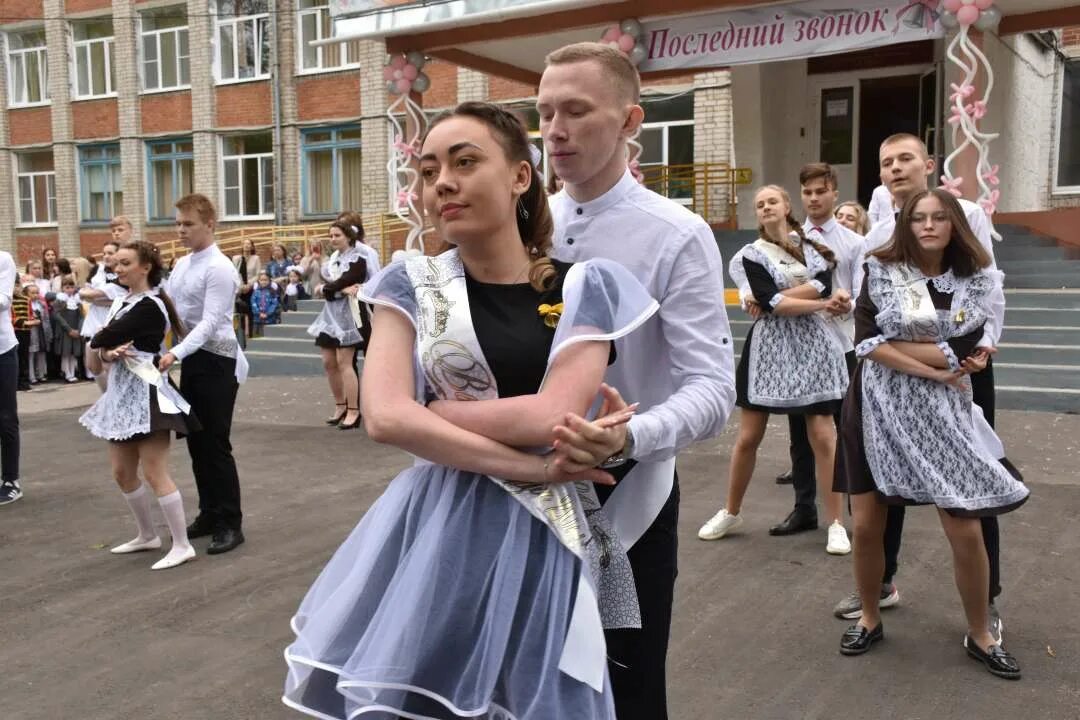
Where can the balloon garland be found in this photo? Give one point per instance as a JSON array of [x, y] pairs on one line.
[[403, 76], [967, 111], [628, 38]]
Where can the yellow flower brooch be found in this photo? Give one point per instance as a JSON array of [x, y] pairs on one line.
[[959, 319], [551, 313]]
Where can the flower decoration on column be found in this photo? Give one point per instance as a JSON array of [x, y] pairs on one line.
[[628, 37], [966, 109], [403, 77]]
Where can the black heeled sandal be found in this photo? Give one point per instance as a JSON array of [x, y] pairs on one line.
[[354, 424], [337, 420]]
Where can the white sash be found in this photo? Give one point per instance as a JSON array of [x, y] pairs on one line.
[[334, 269]]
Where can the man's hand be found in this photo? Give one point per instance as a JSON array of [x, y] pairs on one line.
[[166, 362], [976, 362], [839, 303], [73, 334], [753, 309], [580, 444]]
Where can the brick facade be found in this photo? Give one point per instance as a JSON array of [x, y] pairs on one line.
[[94, 119], [29, 126], [320, 97], [1070, 36], [243, 105], [166, 112]]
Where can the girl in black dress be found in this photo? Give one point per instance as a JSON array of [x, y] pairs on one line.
[[140, 407]]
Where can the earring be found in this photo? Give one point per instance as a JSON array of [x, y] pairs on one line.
[[522, 212]]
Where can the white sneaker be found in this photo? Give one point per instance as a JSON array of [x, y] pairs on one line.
[[176, 556], [719, 525], [136, 545], [838, 540]]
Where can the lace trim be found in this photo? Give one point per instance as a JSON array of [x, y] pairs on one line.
[[950, 356], [867, 346], [946, 283], [819, 286], [776, 300]]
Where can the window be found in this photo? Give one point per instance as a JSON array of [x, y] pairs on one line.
[[171, 168], [314, 23], [667, 145], [331, 170], [37, 188], [164, 48], [1067, 176], [101, 190], [28, 69], [94, 73], [243, 47], [248, 170]]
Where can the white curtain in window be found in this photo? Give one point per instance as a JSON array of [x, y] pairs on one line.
[[351, 179], [320, 181]]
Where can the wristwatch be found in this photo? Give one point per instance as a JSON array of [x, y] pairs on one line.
[[623, 455]]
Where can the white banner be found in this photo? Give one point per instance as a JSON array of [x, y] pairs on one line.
[[786, 32]]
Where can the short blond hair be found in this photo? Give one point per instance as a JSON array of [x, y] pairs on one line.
[[615, 64], [121, 220], [905, 137], [198, 204]]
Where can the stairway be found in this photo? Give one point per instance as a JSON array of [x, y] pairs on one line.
[[1038, 363], [287, 349]]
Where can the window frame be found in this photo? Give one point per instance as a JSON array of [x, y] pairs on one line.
[[223, 159], [259, 20], [665, 145], [19, 223], [320, 67], [335, 145], [1056, 189], [43, 64], [143, 34], [83, 185], [110, 49], [174, 158]]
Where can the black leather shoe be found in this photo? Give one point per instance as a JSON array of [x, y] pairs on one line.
[[857, 639], [784, 478], [200, 527], [224, 541], [798, 520], [996, 659]]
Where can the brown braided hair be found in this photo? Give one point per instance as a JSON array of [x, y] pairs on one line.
[[149, 254], [795, 227]]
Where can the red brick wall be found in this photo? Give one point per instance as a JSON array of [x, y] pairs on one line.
[[328, 96], [15, 10], [503, 89], [686, 79], [95, 119], [30, 244], [90, 243], [244, 105], [443, 92], [1070, 36], [75, 6], [28, 126], [168, 112]]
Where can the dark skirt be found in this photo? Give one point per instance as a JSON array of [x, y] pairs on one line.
[[178, 423], [742, 381], [329, 342]]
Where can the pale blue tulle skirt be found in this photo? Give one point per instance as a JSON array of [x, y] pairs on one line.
[[448, 600]]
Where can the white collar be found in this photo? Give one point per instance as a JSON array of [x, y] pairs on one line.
[[617, 192], [826, 227]]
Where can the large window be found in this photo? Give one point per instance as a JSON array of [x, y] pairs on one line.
[[93, 44], [37, 188], [331, 170], [101, 188], [242, 39], [314, 23], [164, 49], [248, 171], [28, 69], [1068, 158], [170, 175]]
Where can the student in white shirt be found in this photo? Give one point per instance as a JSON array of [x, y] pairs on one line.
[[99, 295], [853, 216], [906, 167], [203, 287], [679, 365], [881, 204], [10, 490]]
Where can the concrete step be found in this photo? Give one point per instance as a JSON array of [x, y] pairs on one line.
[[1037, 335], [1044, 280], [1040, 317], [284, 345], [288, 329], [1039, 265], [1016, 299], [272, 363], [1005, 253], [1024, 238]]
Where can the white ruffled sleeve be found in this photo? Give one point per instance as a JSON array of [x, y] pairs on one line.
[[391, 288]]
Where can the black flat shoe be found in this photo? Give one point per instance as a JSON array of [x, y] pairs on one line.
[[997, 660], [354, 424], [336, 420], [200, 527], [784, 478], [857, 639], [224, 541], [798, 520]]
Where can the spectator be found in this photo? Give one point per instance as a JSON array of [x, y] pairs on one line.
[[265, 306], [67, 340], [23, 323], [310, 266], [278, 267], [851, 215], [37, 275], [48, 264], [249, 266], [63, 270], [294, 289], [40, 335]]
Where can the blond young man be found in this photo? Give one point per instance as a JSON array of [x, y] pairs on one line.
[[679, 365]]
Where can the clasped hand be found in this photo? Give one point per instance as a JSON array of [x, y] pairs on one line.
[[973, 363], [581, 445]]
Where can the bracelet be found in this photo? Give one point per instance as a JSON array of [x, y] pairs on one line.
[[614, 461]]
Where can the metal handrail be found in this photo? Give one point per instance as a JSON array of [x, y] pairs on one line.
[[698, 184]]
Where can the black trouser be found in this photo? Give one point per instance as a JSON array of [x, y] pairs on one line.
[[23, 350], [637, 659], [9, 415], [982, 387], [208, 382], [803, 477]]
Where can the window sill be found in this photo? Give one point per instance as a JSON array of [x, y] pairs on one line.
[[161, 222], [246, 218], [20, 106], [35, 226], [160, 91], [80, 98], [241, 81], [1066, 191], [327, 71]]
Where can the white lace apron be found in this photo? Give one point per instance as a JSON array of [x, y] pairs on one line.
[[794, 360], [454, 367], [341, 319]]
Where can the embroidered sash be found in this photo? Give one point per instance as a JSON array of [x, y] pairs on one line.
[[141, 364], [920, 317], [335, 268]]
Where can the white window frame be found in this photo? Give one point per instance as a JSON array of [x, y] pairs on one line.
[[263, 214], [1061, 190], [81, 170], [258, 20], [43, 68], [76, 46], [143, 34], [665, 145], [320, 67], [51, 222]]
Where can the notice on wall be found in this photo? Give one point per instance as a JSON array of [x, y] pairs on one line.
[[836, 108], [786, 32]]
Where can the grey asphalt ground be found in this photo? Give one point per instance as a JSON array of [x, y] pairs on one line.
[[85, 634]]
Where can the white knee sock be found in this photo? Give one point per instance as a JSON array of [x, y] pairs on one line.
[[139, 502], [172, 505]]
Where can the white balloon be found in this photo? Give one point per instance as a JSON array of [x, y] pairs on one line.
[[631, 27], [391, 87], [948, 20], [398, 255], [988, 18], [416, 59], [413, 252], [421, 83], [638, 54]]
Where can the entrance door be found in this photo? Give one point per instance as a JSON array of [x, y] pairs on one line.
[[887, 105], [835, 122], [931, 110]]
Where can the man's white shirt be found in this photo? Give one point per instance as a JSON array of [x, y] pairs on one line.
[[881, 205], [203, 287], [8, 276]]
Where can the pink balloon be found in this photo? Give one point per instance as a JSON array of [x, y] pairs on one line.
[[398, 62], [967, 15], [409, 72], [388, 73], [984, 4], [398, 74], [626, 43], [612, 34], [404, 85], [952, 6]]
